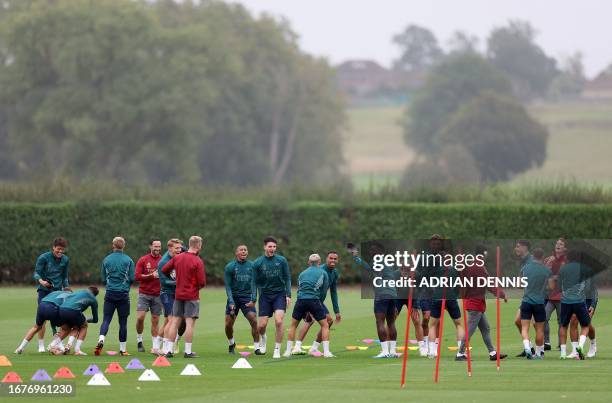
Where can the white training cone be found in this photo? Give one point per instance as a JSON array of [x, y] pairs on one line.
[[242, 363], [191, 369], [148, 375], [98, 380]]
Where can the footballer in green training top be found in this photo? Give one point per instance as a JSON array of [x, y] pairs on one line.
[[272, 279], [239, 287]]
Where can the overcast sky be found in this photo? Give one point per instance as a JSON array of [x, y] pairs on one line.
[[349, 29]]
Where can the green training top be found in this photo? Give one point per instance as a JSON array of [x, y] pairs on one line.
[[117, 272], [271, 275], [56, 297], [572, 277], [313, 283], [537, 281], [387, 273], [80, 301], [333, 287], [168, 286], [238, 279], [52, 269]]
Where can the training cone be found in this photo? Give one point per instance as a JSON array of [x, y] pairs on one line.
[[316, 353], [251, 347], [368, 341], [241, 346], [362, 348], [242, 363], [98, 380], [111, 353], [92, 370], [148, 375], [63, 372], [245, 353], [4, 361], [11, 377], [191, 370], [351, 347], [161, 361], [114, 368], [135, 364], [41, 376]]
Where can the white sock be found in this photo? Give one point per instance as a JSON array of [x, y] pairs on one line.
[[263, 341], [392, 346], [563, 349], [582, 340], [426, 340], [231, 341], [139, 337], [41, 343], [384, 347], [539, 350], [326, 347], [77, 347], [493, 353], [24, 343], [421, 344], [187, 348], [177, 338], [71, 340], [298, 345], [527, 345], [593, 344], [459, 344], [432, 347], [156, 342], [315, 346], [277, 346], [289, 345], [101, 338], [166, 349], [574, 345], [123, 346]]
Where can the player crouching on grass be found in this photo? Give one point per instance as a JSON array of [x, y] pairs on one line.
[[48, 310], [71, 315], [312, 286]]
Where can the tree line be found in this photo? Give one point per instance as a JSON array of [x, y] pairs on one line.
[[162, 92]]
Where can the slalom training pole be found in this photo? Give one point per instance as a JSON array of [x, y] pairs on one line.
[[439, 335], [467, 339], [406, 336], [498, 269]]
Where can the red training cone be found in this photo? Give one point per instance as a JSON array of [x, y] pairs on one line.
[[12, 377], [64, 372], [114, 368], [161, 361]]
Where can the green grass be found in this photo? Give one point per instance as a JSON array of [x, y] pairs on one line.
[[577, 147], [352, 376]]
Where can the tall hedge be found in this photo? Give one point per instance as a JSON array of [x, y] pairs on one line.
[[26, 230]]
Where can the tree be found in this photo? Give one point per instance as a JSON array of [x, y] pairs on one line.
[[458, 79], [513, 50], [419, 49], [570, 82], [499, 134], [463, 42]]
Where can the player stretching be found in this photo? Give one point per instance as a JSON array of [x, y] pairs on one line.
[[51, 274], [71, 314], [330, 268], [532, 304], [48, 310], [238, 276], [190, 278], [168, 290], [117, 276], [312, 287], [572, 277], [272, 278], [148, 295], [384, 302]]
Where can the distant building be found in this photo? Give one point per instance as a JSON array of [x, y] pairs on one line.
[[600, 87], [363, 80]]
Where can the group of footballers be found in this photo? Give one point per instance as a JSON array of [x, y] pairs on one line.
[[171, 283]]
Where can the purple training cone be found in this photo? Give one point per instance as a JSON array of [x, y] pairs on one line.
[[135, 364], [92, 370], [41, 375]]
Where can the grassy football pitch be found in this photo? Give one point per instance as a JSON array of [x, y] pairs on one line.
[[351, 376]]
